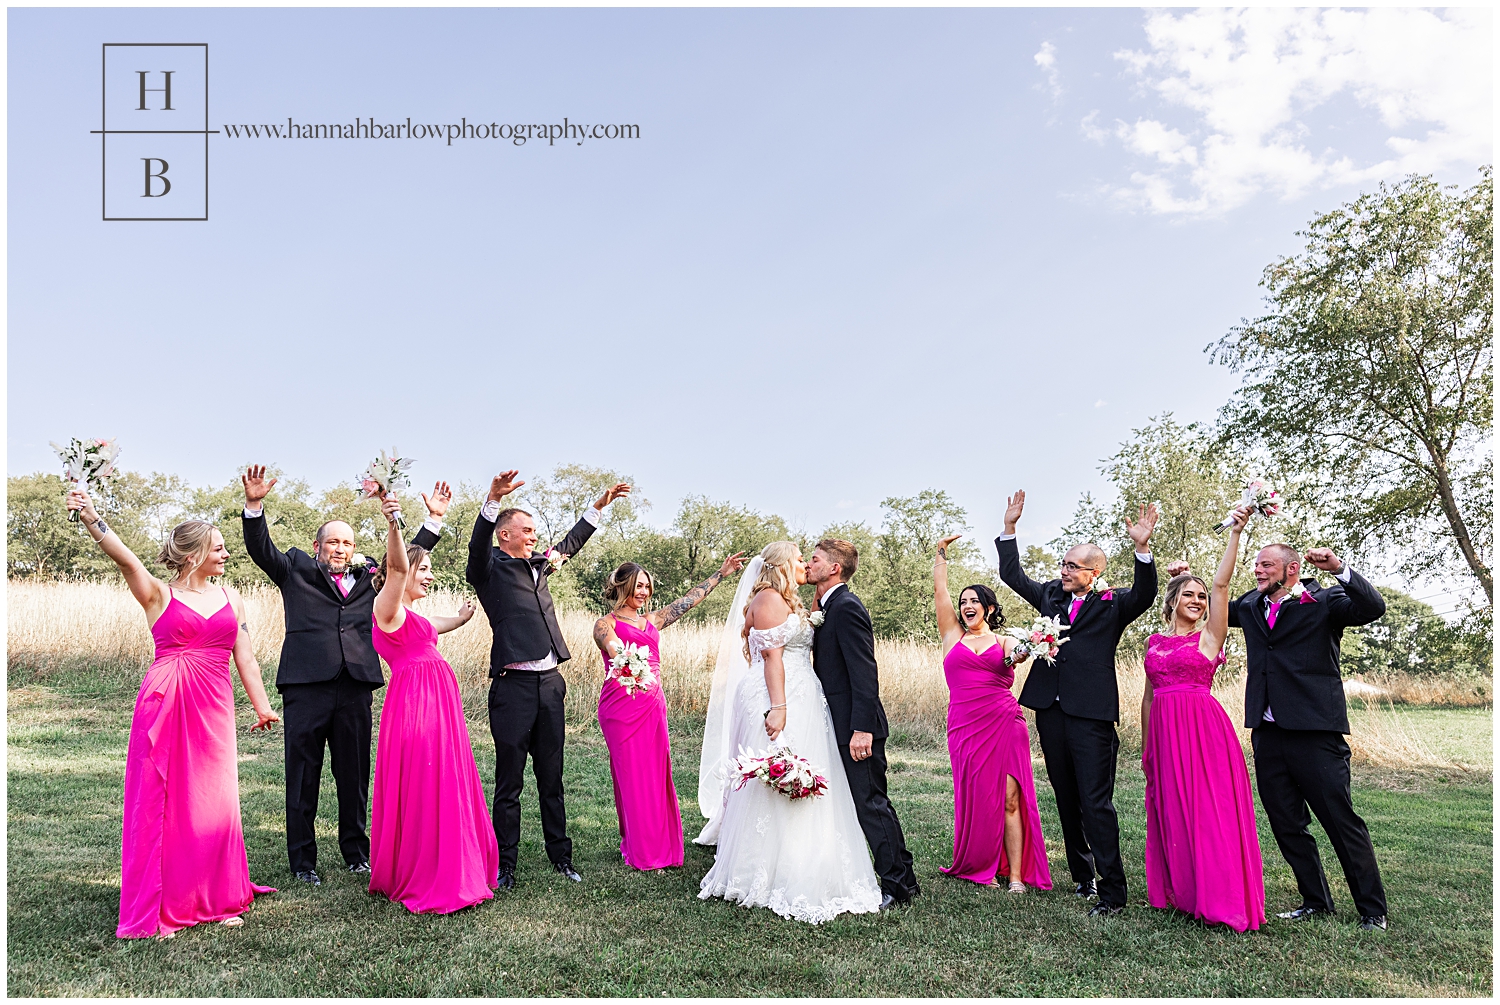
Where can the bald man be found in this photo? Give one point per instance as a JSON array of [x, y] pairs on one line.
[[328, 671], [1076, 699]]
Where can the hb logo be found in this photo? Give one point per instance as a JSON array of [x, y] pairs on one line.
[[154, 131]]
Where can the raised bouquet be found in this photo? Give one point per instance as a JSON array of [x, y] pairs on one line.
[[631, 669], [386, 475], [782, 770], [87, 462], [1042, 639], [1260, 497]]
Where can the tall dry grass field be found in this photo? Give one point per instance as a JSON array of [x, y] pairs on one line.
[[99, 626]]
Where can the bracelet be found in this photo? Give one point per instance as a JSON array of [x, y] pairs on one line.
[[767, 713]]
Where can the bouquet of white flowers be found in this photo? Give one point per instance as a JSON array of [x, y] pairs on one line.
[[1043, 638], [386, 475], [1260, 497], [782, 770], [631, 669], [87, 462]]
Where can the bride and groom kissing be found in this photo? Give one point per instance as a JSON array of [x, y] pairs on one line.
[[805, 682]]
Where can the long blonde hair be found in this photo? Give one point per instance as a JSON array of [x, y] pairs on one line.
[[776, 574]]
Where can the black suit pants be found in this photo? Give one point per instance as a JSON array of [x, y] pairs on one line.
[[877, 818], [335, 713], [1296, 769], [1080, 755], [526, 717]]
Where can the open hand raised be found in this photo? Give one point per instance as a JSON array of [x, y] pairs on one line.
[[1013, 507], [612, 493], [256, 485], [504, 484], [732, 564], [1140, 531], [437, 504], [942, 548]]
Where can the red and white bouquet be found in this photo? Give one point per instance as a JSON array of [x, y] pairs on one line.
[[782, 770], [385, 475], [1260, 497], [87, 462], [1042, 639], [631, 669]]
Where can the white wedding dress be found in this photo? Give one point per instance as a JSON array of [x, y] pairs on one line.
[[805, 858]]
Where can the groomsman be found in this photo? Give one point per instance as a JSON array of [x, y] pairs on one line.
[[1294, 706], [1077, 700], [526, 688], [328, 671]]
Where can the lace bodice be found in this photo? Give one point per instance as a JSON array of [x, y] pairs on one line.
[[793, 634], [1174, 660]]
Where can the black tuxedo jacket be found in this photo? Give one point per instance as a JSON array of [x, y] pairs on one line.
[[325, 630], [1294, 667], [1084, 673], [519, 606], [844, 660]]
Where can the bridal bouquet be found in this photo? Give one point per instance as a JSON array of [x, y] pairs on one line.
[[385, 475], [1043, 638], [632, 668], [87, 462], [1260, 497], [782, 770]]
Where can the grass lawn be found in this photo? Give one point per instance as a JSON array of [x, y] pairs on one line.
[[624, 933]]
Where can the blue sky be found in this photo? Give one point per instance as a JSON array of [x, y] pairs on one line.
[[853, 254]]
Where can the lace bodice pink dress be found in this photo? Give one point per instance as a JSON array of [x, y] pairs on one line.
[[1202, 850]]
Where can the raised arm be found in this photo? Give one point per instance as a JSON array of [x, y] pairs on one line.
[[249, 668], [390, 613], [258, 544], [1212, 639], [150, 592], [942, 598], [1145, 587], [1360, 603], [692, 598], [1011, 573]]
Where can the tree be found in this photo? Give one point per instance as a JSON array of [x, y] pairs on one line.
[[43, 543], [1373, 374], [1411, 639]]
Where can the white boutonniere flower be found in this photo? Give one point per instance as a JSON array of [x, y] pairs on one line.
[[358, 560], [1100, 586], [815, 619], [1296, 590]]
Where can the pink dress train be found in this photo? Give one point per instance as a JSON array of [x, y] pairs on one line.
[[640, 763], [988, 742], [1202, 850], [432, 845], [182, 846]]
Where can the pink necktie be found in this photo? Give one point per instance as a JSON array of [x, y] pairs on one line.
[[1073, 611], [1271, 615], [339, 582]]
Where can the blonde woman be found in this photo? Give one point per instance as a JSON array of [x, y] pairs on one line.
[[182, 847], [804, 859]]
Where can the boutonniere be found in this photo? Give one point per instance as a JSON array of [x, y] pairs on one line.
[[1299, 593], [359, 561], [555, 558], [815, 619], [1102, 588]]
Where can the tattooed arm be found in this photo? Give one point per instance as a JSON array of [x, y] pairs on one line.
[[605, 638], [677, 608]]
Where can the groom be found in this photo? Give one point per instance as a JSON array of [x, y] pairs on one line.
[[844, 660], [1076, 698]]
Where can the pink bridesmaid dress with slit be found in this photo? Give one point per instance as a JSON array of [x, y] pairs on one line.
[[182, 846], [1202, 849], [988, 743], [640, 762], [432, 844]]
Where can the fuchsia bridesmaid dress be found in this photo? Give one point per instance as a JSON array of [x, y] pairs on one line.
[[182, 849], [1202, 851], [432, 845], [640, 762], [987, 743]]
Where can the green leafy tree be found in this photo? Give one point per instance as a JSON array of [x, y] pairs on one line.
[[1372, 372], [43, 543], [1411, 639]]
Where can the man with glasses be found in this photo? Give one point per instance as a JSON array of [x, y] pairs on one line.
[[1076, 698]]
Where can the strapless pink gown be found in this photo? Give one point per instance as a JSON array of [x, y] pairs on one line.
[[1202, 850], [987, 742], [182, 847], [640, 763], [432, 845]]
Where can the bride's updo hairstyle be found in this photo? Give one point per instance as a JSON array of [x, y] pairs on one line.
[[187, 547], [1174, 590], [621, 584], [776, 574]]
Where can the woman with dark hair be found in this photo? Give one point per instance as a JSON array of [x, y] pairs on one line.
[[634, 720], [988, 743], [432, 846], [1202, 849]]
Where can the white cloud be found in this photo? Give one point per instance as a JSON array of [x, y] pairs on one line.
[[1046, 58], [1250, 79]]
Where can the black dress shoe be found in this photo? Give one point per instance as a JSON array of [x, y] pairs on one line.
[[1103, 910], [309, 877], [566, 868], [1084, 891], [361, 867], [507, 880], [1303, 913], [1370, 922], [887, 902]]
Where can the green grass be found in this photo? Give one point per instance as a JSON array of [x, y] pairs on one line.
[[624, 933]]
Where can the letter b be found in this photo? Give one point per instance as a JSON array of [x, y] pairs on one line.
[[166, 184]]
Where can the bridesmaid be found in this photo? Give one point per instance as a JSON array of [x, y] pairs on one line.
[[988, 744], [1202, 851], [635, 725], [182, 847], [432, 845]]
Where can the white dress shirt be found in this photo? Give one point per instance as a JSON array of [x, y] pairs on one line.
[[1342, 577], [823, 601]]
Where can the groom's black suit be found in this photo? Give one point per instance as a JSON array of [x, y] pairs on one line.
[[844, 660], [1077, 703], [327, 674], [1301, 758]]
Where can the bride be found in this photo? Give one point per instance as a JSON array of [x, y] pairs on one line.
[[804, 859]]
